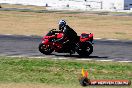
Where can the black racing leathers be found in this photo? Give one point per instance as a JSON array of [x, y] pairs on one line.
[[69, 33]]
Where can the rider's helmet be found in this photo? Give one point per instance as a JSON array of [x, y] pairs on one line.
[[62, 24]]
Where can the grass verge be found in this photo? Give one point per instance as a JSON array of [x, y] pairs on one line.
[[59, 72]]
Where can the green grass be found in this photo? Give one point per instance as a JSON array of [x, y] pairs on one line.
[[62, 72]]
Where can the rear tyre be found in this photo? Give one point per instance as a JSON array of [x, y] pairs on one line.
[[45, 49], [85, 51]]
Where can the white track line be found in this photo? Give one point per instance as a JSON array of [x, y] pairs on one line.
[[125, 61], [84, 59], [63, 58], [14, 35], [60, 58], [15, 56], [98, 38], [113, 39], [38, 57], [105, 60]]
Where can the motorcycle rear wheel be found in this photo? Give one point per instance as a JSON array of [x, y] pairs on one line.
[[45, 49], [85, 52]]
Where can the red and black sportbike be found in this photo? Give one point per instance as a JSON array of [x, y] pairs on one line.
[[83, 44]]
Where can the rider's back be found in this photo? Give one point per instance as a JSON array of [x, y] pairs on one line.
[[70, 33]]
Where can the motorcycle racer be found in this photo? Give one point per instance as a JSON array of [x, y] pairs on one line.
[[68, 32], [66, 40]]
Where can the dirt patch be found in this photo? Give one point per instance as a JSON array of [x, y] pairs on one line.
[[31, 23], [23, 6]]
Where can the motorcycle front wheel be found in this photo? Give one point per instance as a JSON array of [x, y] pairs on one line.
[[45, 49]]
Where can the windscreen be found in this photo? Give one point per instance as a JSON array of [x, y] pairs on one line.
[[50, 33], [84, 35]]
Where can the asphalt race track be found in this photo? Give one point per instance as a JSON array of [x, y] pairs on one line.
[[27, 46]]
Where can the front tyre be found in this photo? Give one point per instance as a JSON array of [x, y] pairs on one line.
[[45, 49]]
